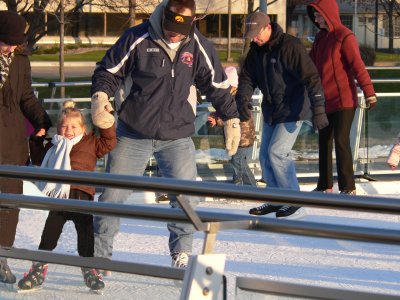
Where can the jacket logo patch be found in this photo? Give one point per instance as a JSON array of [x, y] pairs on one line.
[[187, 58], [178, 19], [153, 50]]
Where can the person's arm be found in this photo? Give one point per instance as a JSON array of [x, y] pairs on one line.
[[352, 56], [106, 142], [30, 105], [247, 83], [306, 72], [38, 148], [107, 77], [211, 80]]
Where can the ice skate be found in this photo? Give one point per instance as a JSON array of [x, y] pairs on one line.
[[34, 279], [180, 260], [7, 278], [93, 280]]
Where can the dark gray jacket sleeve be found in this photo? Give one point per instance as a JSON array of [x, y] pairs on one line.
[[306, 71], [247, 79]]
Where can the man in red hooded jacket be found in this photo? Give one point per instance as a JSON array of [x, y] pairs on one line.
[[337, 57]]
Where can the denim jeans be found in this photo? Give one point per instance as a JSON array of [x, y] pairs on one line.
[[276, 164], [242, 172], [175, 158]]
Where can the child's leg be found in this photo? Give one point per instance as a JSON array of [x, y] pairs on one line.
[[52, 230], [84, 229], [50, 235], [83, 225], [247, 174]]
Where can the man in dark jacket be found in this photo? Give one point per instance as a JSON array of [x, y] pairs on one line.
[[278, 64], [164, 58], [17, 102]]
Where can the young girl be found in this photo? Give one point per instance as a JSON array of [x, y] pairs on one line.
[[394, 155], [70, 149]]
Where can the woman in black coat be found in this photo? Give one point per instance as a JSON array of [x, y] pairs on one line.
[[17, 103]]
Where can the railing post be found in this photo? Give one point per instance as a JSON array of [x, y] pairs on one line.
[[203, 277]]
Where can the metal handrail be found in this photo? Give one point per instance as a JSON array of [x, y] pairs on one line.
[[211, 221]]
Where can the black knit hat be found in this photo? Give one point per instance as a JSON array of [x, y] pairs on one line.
[[12, 28]]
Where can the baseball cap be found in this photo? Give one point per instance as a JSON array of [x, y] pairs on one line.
[[254, 23], [177, 23]]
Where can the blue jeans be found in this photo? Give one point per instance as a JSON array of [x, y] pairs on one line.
[[175, 158], [276, 164], [242, 172]]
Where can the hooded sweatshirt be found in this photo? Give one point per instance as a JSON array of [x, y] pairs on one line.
[[337, 57]]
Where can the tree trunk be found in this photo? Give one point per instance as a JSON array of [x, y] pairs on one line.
[[246, 46], [132, 12], [391, 35], [62, 23]]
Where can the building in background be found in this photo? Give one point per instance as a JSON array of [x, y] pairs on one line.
[[360, 19], [103, 21], [99, 24]]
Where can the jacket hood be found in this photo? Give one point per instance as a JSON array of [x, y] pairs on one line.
[[156, 30], [156, 19], [329, 9]]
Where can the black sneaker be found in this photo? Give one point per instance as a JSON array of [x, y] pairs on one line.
[[290, 212], [264, 209]]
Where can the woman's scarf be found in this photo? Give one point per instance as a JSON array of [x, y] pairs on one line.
[[57, 157], [5, 61]]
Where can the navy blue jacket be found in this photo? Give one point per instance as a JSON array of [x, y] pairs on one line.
[[287, 77], [157, 105]]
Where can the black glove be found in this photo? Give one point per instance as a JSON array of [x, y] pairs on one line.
[[320, 121], [244, 108]]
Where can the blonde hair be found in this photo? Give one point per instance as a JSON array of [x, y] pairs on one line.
[[69, 110]]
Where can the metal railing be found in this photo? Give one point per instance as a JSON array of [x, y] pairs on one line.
[[208, 222], [359, 127]]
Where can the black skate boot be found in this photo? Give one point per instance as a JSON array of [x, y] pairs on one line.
[[34, 279], [93, 280], [7, 278]]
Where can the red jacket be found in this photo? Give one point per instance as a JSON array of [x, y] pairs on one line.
[[337, 57]]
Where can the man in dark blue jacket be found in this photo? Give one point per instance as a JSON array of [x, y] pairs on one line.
[[279, 65], [162, 58]]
